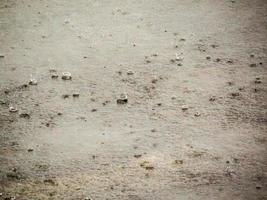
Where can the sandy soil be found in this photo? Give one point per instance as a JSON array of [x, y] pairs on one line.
[[194, 126]]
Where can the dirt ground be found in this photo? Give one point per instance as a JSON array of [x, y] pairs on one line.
[[195, 123]]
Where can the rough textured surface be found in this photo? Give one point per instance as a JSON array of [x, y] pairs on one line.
[[194, 126]]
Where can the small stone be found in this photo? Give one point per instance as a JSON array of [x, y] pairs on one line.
[[172, 60], [179, 64], [230, 83], [10, 198], [30, 150], [138, 155], [253, 65], [2, 55], [149, 167], [197, 114], [25, 115], [230, 62], [208, 57], [154, 80], [3, 102], [130, 73], [252, 55], [146, 165], [50, 181], [235, 94], [76, 95], [218, 60], [66, 76], [258, 187], [59, 114], [123, 99], [13, 175], [184, 107], [212, 98], [54, 76], [87, 198], [23, 86], [153, 130], [257, 81], [65, 96], [179, 162], [106, 102], [13, 109], [33, 81], [93, 110], [178, 57]]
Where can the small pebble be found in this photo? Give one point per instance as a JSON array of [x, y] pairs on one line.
[[54, 76], [130, 73], [123, 99], [180, 162], [138, 155], [76, 95], [13, 109], [178, 57], [184, 107], [235, 94], [258, 187], [66, 76], [154, 80], [65, 96], [212, 99], [24, 115], [33, 82], [257, 81], [197, 114]]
